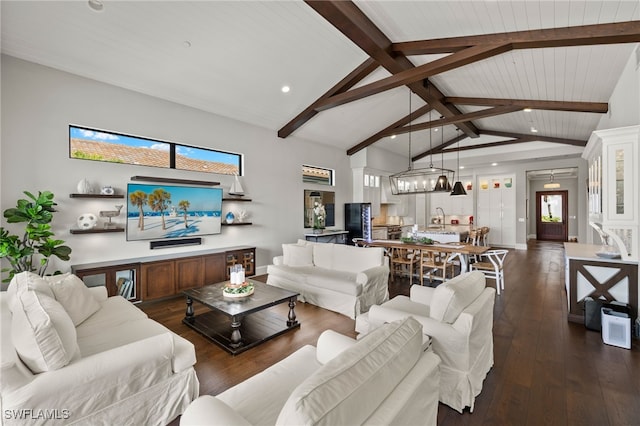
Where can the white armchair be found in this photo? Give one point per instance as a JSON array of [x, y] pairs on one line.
[[458, 316]]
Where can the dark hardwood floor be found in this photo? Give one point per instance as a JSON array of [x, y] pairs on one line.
[[547, 371]]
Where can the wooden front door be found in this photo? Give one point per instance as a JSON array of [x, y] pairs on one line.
[[551, 215]]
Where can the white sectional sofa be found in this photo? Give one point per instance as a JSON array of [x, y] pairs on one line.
[[386, 378], [341, 278], [72, 355]]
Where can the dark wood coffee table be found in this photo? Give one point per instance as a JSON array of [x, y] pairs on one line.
[[238, 324]]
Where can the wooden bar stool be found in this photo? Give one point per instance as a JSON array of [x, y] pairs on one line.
[[485, 232]]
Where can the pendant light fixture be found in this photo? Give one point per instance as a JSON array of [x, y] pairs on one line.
[[458, 188], [552, 184], [417, 181], [442, 184]]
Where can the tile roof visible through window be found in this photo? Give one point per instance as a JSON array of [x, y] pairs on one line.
[[144, 156]]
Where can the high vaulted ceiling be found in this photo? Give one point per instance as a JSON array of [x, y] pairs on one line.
[[349, 65]]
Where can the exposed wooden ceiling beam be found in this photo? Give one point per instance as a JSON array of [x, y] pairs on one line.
[[353, 23], [595, 107], [489, 112], [453, 61], [620, 32], [574, 142], [397, 125], [515, 138], [366, 68]]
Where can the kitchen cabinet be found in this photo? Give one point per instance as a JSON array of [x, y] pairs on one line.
[[367, 188], [497, 209], [614, 179], [379, 233], [397, 205]]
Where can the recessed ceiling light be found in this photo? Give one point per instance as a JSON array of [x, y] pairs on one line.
[[96, 5], [534, 130], [393, 136], [494, 164], [285, 89], [527, 110], [461, 167], [436, 129]]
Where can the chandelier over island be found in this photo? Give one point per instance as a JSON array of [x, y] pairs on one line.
[[418, 181]]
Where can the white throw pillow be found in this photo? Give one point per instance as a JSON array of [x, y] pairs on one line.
[[296, 255], [43, 334], [26, 281], [74, 296], [450, 299]]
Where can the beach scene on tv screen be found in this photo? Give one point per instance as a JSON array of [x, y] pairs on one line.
[[165, 211]]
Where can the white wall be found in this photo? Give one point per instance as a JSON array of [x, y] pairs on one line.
[[624, 104], [38, 104]]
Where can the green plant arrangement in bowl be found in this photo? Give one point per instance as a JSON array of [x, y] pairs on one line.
[[423, 240], [32, 251]]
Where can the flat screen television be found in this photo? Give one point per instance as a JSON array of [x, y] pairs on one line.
[[157, 212]]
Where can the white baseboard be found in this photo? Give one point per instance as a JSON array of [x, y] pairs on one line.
[[261, 270], [521, 246]]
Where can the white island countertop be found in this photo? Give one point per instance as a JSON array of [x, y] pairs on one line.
[[446, 229], [588, 252]]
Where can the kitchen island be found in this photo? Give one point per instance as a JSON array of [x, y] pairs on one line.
[[444, 234]]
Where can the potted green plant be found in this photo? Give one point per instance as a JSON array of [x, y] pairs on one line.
[[32, 251]]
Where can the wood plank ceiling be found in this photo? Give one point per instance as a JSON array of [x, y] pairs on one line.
[[471, 64], [351, 21]]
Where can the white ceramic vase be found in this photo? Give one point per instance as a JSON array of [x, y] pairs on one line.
[[84, 187]]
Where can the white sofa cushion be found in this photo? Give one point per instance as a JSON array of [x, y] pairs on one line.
[[74, 296], [27, 281], [351, 386], [323, 255], [208, 409], [297, 255], [341, 281], [43, 334], [356, 259], [450, 298]]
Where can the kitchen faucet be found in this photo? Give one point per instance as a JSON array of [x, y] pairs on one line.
[[439, 209]]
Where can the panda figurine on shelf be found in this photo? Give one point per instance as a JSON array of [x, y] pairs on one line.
[[87, 221]]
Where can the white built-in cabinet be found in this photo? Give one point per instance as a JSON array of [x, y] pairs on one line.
[[496, 208], [366, 188], [614, 186]]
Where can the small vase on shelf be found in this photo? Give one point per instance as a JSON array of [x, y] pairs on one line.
[[230, 217], [84, 187]]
